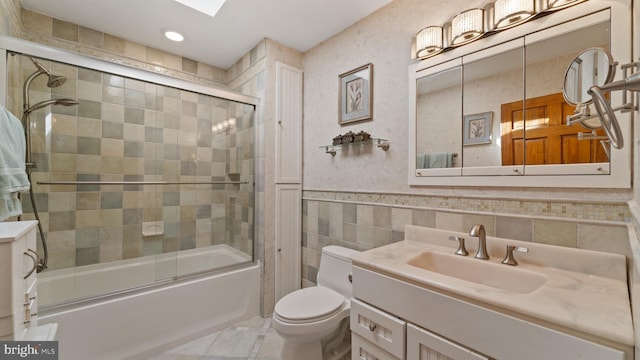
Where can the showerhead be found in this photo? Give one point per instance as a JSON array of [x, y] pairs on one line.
[[54, 80]]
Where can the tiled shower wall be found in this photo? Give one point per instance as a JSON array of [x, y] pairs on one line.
[[10, 19], [127, 130], [238, 211], [368, 220]]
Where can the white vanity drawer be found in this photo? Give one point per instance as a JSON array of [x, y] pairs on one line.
[[378, 327], [361, 349], [423, 344]]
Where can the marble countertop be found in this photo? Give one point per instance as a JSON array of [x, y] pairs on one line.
[[586, 291]]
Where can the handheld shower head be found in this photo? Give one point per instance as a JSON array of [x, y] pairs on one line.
[[41, 104]]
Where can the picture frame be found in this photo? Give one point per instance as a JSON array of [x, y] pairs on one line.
[[478, 128], [356, 95]]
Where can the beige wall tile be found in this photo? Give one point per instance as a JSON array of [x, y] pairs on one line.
[[135, 51], [37, 24], [514, 228], [613, 239], [364, 215], [65, 30], [90, 37], [555, 233], [400, 218], [449, 221]]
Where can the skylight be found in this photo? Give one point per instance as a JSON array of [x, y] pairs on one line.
[[209, 7]]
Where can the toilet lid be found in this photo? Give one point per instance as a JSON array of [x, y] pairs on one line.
[[309, 303]]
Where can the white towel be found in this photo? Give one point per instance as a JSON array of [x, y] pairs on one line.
[[422, 160], [440, 160], [13, 175]]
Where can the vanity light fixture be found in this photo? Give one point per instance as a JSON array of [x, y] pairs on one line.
[[507, 13], [173, 35], [559, 4], [472, 24], [467, 26], [429, 41]]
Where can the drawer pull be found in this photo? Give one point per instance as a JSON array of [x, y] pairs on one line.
[[372, 327], [35, 261]]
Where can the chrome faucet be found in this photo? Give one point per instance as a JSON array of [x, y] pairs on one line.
[[478, 230]]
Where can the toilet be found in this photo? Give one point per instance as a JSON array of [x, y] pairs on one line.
[[314, 321]]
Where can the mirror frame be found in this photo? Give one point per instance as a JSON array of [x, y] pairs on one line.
[[617, 175]]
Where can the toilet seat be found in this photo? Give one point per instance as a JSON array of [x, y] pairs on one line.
[[309, 304]]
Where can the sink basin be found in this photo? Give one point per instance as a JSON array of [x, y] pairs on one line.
[[481, 272]]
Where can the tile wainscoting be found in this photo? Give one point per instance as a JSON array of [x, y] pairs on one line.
[[364, 221]]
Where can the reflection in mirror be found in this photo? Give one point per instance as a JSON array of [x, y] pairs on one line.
[[438, 115], [486, 87], [548, 140], [592, 67]]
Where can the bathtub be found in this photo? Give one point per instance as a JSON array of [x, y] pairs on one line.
[[141, 322]]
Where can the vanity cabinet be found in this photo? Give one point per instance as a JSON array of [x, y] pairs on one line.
[[377, 335], [438, 325], [425, 345], [18, 260]]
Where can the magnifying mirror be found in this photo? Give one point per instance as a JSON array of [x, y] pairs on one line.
[[592, 67]]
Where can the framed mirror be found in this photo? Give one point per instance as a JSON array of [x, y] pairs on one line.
[[549, 141], [486, 88], [439, 97], [511, 124]]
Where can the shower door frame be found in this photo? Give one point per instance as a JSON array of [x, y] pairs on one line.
[[10, 44]]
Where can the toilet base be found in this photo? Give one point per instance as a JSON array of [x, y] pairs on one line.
[[310, 351], [339, 352], [313, 351], [334, 347]]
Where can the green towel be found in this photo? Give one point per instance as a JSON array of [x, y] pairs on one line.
[[13, 175]]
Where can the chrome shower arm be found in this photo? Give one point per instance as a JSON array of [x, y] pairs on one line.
[[25, 89]]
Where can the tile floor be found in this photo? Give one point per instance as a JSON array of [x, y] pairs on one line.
[[252, 339]]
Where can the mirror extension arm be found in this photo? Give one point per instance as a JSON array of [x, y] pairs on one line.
[[606, 113], [607, 117]]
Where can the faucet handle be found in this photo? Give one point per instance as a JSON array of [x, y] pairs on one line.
[[461, 249], [509, 259]]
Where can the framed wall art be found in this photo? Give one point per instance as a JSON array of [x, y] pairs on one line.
[[356, 95], [477, 128]]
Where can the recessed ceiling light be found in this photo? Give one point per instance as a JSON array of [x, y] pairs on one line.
[[209, 7], [173, 35]]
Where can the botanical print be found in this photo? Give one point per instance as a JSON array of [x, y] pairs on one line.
[[477, 128], [354, 95]]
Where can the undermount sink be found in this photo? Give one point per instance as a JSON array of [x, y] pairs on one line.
[[481, 272]]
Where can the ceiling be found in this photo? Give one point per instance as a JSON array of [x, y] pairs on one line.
[[219, 41]]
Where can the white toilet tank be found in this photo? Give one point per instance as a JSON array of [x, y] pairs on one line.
[[335, 267]]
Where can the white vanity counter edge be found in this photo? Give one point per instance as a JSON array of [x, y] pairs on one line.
[[586, 292], [10, 230]]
